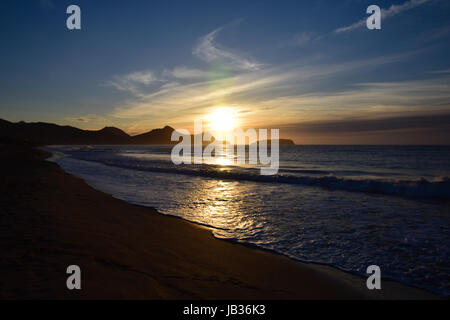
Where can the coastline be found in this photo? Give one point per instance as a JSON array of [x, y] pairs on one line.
[[53, 219]]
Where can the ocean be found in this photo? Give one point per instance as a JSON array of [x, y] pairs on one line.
[[344, 206]]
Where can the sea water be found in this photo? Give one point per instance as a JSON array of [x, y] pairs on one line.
[[345, 206]]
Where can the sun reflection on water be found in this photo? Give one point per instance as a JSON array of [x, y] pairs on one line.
[[217, 203]]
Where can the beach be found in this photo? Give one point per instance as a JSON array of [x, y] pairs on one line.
[[51, 219]]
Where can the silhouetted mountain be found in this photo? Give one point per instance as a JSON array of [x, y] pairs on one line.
[[156, 136], [48, 133], [112, 131]]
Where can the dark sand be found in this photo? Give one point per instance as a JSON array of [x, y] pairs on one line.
[[50, 220]]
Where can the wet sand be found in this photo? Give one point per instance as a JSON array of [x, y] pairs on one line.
[[50, 219]]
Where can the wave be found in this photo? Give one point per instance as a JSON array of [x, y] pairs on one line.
[[421, 188], [406, 254]]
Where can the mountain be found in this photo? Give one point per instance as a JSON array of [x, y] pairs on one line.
[[48, 133], [113, 132], [156, 136]]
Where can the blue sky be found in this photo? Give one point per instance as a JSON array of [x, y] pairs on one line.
[[310, 68]]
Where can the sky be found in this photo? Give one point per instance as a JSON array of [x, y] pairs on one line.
[[309, 68]]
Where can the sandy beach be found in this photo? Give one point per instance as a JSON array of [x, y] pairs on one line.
[[50, 220]]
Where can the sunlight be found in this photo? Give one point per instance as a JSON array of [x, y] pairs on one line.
[[222, 119], [224, 161]]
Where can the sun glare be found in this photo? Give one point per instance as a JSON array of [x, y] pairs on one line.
[[222, 119]]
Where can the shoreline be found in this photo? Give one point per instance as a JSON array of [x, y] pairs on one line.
[[128, 251], [398, 290], [353, 279]]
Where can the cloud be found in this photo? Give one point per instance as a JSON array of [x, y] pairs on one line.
[[170, 85], [304, 38], [299, 90], [369, 99], [134, 82], [190, 97], [187, 73], [441, 71], [431, 121], [141, 77], [263, 91], [397, 129], [208, 50], [86, 119], [385, 13]]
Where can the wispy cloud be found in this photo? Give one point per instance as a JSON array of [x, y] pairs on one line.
[[208, 50], [390, 122], [91, 119], [179, 99], [441, 71], [304, 38], [261, 95], [431, 128], [262, 91], [367, 100], [186, 73], [134, 82], [385, 13]]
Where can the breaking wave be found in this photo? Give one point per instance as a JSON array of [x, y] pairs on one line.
[[421, 187]]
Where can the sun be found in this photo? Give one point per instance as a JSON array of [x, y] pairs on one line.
[[222, 119]]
